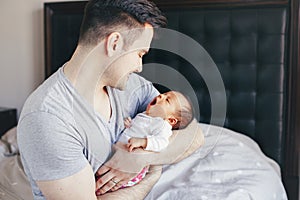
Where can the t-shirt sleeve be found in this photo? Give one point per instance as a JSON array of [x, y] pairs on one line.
[[138, 94], [146, 94], [149, 92], [49, 147]]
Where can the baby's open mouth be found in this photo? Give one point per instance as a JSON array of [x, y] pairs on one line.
[[153, 102]]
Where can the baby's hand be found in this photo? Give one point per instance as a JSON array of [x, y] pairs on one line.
[[136, 143], [127, 122]]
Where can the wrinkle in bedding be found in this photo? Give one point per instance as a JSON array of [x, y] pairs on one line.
[[229, 166]]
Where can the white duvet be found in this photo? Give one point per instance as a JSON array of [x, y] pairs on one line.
[[229, 166]]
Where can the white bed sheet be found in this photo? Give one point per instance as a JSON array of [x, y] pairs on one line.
[[13, 181], [229, 166]]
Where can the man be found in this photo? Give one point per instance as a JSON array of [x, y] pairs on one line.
[[68, 125]]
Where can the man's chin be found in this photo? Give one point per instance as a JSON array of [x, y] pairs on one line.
[[120, 87], [121, 84]]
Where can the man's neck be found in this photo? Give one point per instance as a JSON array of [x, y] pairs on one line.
[[102, 104], [83, 71]]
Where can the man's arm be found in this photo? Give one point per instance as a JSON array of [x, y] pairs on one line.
[[138, 191], [78, 186], [183, 143]]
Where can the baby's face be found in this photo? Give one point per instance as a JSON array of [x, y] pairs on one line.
[[165, 105]]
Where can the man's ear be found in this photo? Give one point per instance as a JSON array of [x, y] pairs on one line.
[[114, 43], [172, 120]]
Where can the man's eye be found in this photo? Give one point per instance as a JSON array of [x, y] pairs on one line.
[[167, 100]]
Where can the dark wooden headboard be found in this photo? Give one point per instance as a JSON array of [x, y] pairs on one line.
[[254, 44]]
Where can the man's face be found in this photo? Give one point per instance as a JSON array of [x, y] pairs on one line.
[[130, 61]]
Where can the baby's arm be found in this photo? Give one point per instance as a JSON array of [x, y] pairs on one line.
[[127, 122], [156, 142], [134, 142]]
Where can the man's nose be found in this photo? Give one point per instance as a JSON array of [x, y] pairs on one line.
[[140, 66]]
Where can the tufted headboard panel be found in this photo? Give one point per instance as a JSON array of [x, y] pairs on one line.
[[249, 48], [255, 46]]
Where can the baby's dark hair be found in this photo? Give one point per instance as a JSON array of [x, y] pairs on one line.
[[103, 17], [184, 114]]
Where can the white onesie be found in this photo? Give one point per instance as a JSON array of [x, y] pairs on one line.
[[155, 129]]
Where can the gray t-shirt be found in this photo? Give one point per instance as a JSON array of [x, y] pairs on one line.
[[59, 132]]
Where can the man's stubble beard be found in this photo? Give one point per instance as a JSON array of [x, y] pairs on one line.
[[121, 84]]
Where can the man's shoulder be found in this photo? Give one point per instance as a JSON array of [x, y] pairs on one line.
[[49, 97], [140, 86], [136, 81]]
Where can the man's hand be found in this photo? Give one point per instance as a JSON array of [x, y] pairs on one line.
[[111, 179], [126, 164], [134, 143], [120, 169], [138, 191]]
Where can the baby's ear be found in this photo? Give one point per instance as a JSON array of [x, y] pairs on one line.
[[172, 121]]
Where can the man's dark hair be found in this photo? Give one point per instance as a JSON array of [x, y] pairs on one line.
[[103, 17]]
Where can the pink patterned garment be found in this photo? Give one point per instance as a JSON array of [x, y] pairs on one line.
[[137, 179]]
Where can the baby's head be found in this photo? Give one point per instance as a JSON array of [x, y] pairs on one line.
[[173, 107]]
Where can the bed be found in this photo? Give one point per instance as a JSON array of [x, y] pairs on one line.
[[215, 171], [249, 118]]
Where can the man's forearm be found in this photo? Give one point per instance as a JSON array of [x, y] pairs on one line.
[[182, 144], [138, 191]]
